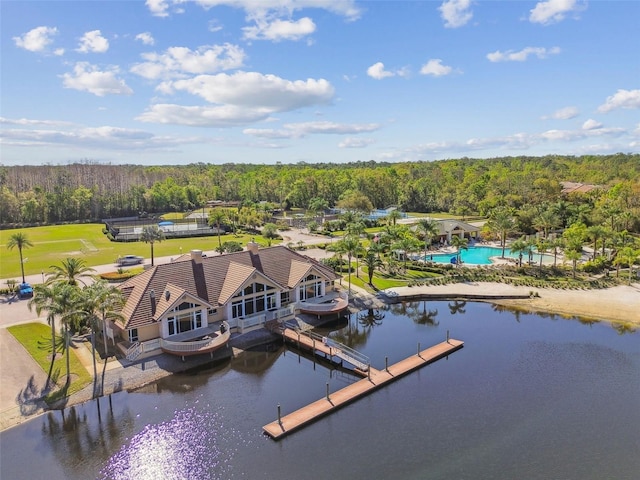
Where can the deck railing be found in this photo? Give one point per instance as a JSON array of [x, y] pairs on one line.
[[185, 347], [340, 350]]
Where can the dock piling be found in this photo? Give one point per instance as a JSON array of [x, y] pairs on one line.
[[279, 415], [328, 392], [419, 349], [386, 364]]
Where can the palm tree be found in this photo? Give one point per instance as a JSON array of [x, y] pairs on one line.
[[573, 256], [545, 221], [58, 299], [71, 271], [629, 255], [595, 232], [408, 245], [151, 234], [429, 228], [216, 217], [20, 241], [460, 243], [501, 222], [519, 246], [49, 298], [96, 304], [394, 216], [350, 245], [372, 261], [557, 244], [542, 245]]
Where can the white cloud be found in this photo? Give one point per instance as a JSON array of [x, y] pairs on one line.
[[264, 8], [239, 99], [25, 122], [455, 13], [591, 124], [86, 77], [354, 142], [435, 68], [203, 116], [146, 38], [158, 8], [37, 39], [299, 130], [176, 61], [522, 55], [106, 138], [378, 72], [629, 99], [277, 30], [93, 42], [565, 113], [553, 11], [256, 90], [516, 141], [214, 26]]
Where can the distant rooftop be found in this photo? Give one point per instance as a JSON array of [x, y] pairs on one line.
[[574, 187]]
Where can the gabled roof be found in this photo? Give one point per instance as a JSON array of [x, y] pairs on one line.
[[447, 226], [214, 280], [236, 275], [172, 297]]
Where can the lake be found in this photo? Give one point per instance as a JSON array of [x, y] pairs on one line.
[[529, 396]]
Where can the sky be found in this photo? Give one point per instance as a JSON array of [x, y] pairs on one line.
[[167, 82]]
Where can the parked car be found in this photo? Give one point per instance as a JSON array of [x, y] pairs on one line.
[[25, 290], [129, 260]]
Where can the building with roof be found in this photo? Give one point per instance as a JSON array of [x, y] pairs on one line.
[[193, 304]]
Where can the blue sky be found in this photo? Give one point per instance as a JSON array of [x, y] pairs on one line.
[[266, 81]]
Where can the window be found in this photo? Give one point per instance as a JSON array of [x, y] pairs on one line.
[[236, 309], [310, 287], [284, 298], [133, 335], [184, 321], [212, 311], [271, 301]]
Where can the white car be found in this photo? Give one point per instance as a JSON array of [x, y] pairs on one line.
[[129, 260]]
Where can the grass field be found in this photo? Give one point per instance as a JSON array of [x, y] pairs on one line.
[[36, 339], [52, 244]]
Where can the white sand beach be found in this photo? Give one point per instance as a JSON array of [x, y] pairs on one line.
[[615, 304]]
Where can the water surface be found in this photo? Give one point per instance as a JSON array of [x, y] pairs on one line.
[[528, 396]]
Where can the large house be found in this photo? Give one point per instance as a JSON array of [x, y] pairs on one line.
[[192, 304]]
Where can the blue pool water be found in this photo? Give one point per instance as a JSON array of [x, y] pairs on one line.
[[474, 255]]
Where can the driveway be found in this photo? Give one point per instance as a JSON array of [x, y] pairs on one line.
[[22, 381]]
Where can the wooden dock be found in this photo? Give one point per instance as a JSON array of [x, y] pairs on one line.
[[375, 380]]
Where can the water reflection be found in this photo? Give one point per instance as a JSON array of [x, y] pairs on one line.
[[86, 433], [422, 315], [372, 317], [457, 307]]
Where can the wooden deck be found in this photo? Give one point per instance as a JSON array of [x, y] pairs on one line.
[[303, 341], [377, 379]]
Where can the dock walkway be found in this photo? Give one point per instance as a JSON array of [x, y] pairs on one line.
[[376, 379]]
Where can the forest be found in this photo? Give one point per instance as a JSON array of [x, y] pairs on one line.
[[89, 191]]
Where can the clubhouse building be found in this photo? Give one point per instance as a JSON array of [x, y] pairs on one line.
[[193, 304]]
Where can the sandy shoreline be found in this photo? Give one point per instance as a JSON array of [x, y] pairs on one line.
[[620, 304]]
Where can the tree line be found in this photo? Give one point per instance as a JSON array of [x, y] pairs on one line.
[[88, 191]]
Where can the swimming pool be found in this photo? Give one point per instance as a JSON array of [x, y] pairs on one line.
[[474, 255]]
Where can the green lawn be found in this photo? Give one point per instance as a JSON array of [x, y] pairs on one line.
[[86, 241], [36, 339]]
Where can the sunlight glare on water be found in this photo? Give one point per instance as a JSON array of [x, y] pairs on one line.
[[181, 448]]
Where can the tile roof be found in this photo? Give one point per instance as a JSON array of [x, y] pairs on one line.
[[214, 280]]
